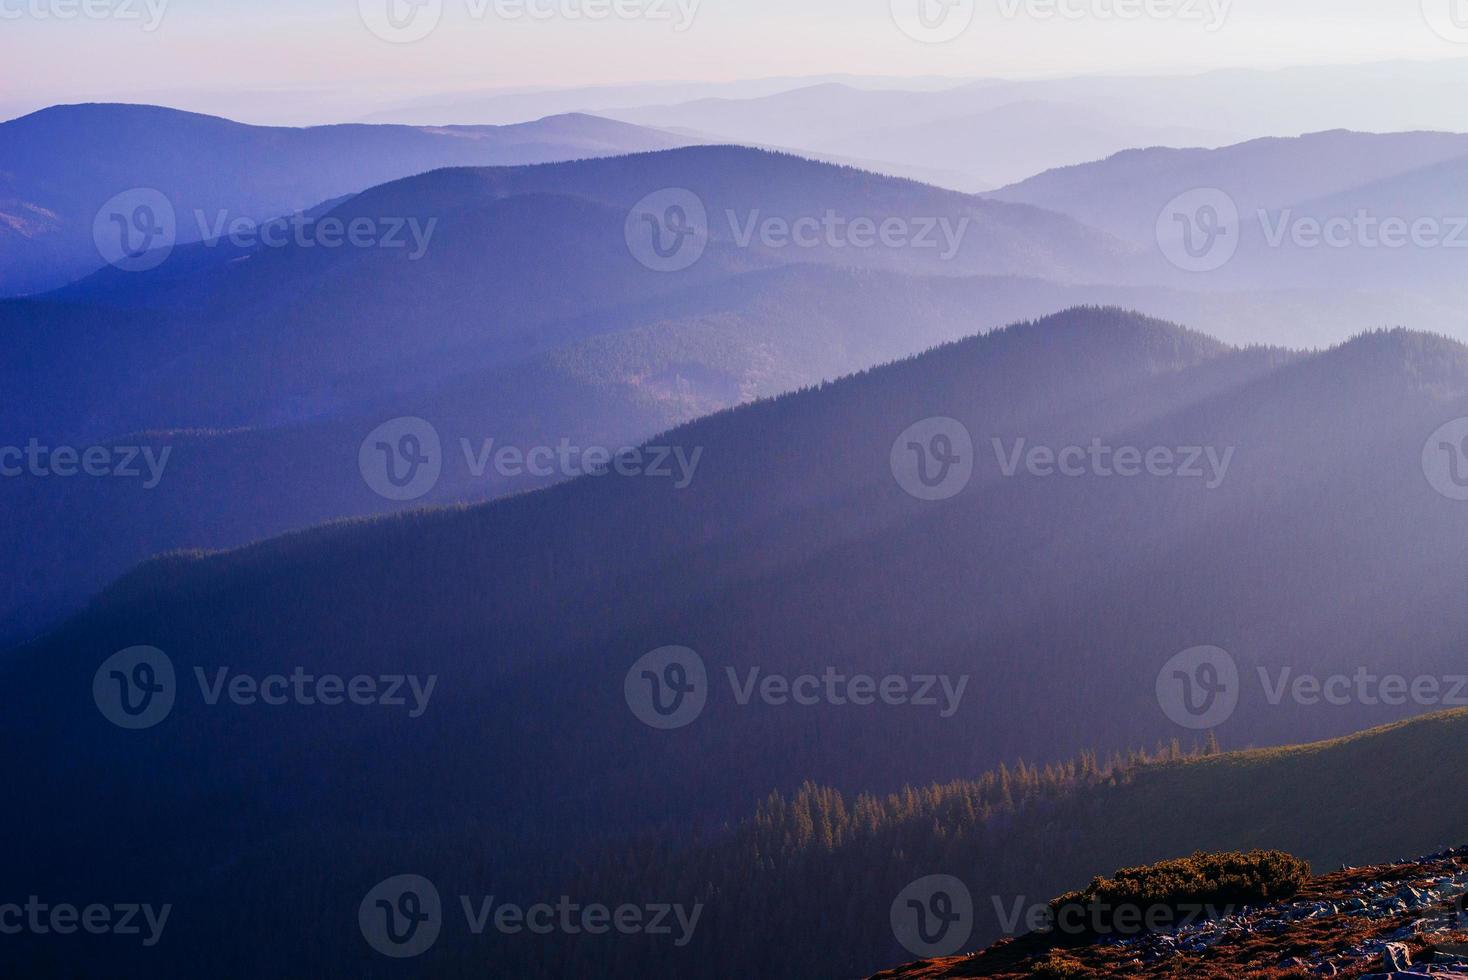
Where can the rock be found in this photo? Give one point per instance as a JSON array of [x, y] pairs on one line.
[[1397, 957]]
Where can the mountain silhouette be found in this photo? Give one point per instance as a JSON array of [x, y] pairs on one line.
[[1324, 548], [60, 166], [527, 317]]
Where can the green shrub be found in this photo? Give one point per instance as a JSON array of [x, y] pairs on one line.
[[1182, 890], [1058, 966]]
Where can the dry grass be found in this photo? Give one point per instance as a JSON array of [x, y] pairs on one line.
[[1255, 956]]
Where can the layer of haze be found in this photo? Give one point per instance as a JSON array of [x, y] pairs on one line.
[[309, 61]]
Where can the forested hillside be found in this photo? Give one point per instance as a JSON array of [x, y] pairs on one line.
[[802, 889], [793, 549]]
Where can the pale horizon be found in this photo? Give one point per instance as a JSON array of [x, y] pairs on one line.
[[278, 64]]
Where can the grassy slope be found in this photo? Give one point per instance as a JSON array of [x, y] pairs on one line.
[[1363, 798], [1384, 793], [804, 889]]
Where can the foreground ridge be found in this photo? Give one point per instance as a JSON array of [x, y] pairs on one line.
[[1401, 920]]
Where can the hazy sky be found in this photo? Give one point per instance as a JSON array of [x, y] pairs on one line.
[[282, 60]]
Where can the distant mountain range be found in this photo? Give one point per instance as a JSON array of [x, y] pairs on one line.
[[527, 317], [1125, 192], [1326, 211], [520, 105], [60, 166], [799, 544], [820, 509], [528, 287], [992, 132], [965, 133], [995, 146]]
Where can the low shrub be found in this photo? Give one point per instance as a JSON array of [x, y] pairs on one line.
[[1174, 892]]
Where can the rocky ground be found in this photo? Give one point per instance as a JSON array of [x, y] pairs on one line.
[[1404, 920]]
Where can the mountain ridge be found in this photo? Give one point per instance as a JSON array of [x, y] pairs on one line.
[[215, 165], [520, 604]]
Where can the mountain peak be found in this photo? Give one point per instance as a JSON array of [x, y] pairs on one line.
[[1112, 326], [91, 113], [1426, 361]]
